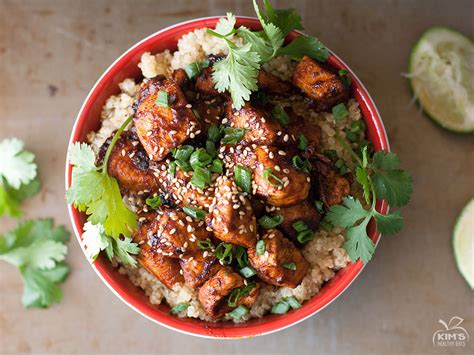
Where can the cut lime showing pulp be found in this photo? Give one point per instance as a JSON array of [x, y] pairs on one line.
[[463, 243], [442, 77]]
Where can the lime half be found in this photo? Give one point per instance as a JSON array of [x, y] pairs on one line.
[[463, 243], [442, 77]]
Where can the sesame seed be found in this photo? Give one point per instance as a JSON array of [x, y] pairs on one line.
[[173, 132], [281, 152], [225, 120], [123, 152], [189, 106], [149, 133], [285, 138]]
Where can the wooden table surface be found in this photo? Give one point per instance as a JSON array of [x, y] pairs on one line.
[[51, 54]]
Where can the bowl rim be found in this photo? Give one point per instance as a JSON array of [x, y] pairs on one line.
[[170, 321]]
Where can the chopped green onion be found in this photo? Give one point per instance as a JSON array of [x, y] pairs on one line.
[[303, 142], [211, 148], [172, 169], [327, 226], [341, 165], [183, 153], [184, 165], [331, 154], [154, 202], [201, 177], [301, 164], [339, 111], [200, 158], [196, 113], [345, 77], [293, 302], [205, 244], [180, 307], [289, 266], [162, 99], [268, 222], [260, 247], [224, 253], [239, 312], [205, 63], [280, 114], [267, 174], [192, 70], [217, 166], [214, 133], [241, 256], [243, 178], [195, 212], [239, 293], [319, 206], [248, 271], [280, 308], [305, 236], [300, 226], [233, 135]]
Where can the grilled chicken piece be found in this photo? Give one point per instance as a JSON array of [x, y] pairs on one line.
[[276, 263], [204, 83], [179, 76], [233, 220], [304, 212], [275, 180], [320, 83], [129, 164], [175, 234], [262, 128], [214, 294], [160, 128], [179, 189], [198, 268], [332, 187], [271, 83], [301, 126], [210, 110], [164, 268]]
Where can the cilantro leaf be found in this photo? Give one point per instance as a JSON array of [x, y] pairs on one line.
[[385, 161], [286, 20], [305, 45], [395, 186], [37, 249], [82, 157], [389, 224], [347, 214], [358, 244], [258, 41], [225, 26], [16, 164], [362, 179]]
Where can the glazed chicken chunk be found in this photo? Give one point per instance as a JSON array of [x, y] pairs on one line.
[[319, 83], [164, 268], [272, 84], [332, 188], [275, 180], [304, 212], [204, 83], [129, 164], [233, 220], [214, 294], [281, 264], [163, 119]]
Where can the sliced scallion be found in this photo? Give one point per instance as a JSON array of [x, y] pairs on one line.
[[281, 116], [340, 111], [205, 244], [300, 226], [305, 236], [260, 247], [224, 253], [201, 177], [217, 166], [248, 271], [200, 158], [214, 133], [183, 152], [180, 307], [268, 222], [162, 99], [293, 302], [303, 142], [268, 174], [289, 266], [280, 308], [154, 202], [195, 212], [238, 312], [243, 178]]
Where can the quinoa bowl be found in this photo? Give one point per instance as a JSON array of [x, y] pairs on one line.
[[136, 287]]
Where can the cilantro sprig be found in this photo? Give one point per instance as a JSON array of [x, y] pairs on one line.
[[237, 73], [380, 178], [38, 250], [97, 194], [18, 176]]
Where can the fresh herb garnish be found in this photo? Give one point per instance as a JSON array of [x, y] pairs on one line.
[[195, 212], [233, 135], [180, 307], [280, 115], [305, 234], [200, 158], [268, 174], [201, 177], [268, 222], [217, 166], [224, 253], [243, 178], [162, 99], [205, 244], [260, 247], [242, 260], [238, 293], [38, 250], [238, 312], [285, 304], [319, 206], [303, 142], [340, 111], [194, 69], [300, 164], [380, 178], [214, 133], [97, 194], [172, 169], [154, 202], [183, 153], [345, 77], [289, 266], [18, 179]]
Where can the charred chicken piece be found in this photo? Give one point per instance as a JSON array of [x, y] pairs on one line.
[[210, 110], [198, 268], [281, 264], [162, 127], [179, 76], [129, 164], [320, 83], [332, 188], [270, 83], [275, 180], [204, 83], [233, 220], [262, 128], [214, 294], [179, 189], [304, 212], [164, 268], [301, 126]]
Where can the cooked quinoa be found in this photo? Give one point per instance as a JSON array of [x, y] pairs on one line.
[[325, 253]]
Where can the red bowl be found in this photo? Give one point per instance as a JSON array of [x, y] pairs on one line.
[[88, 119]]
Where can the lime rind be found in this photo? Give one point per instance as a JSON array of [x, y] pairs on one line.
[[463, 243], [442, 78]]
